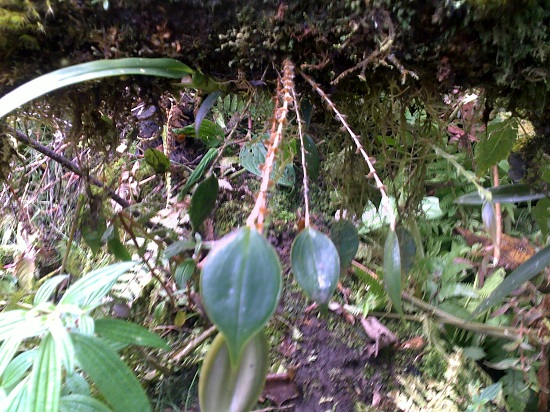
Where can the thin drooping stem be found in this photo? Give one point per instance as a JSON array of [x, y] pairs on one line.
[[385, 203], [304, 163], [284, 99]]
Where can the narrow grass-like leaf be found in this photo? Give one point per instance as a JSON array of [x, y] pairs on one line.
[[48, 288], [525, 272], [128, 333], [7, 352], [315, 264], [203, 201], [114, 380], [489, 220], [63, 344], [223, 387], [81, 403], [240, 286], [204, 108], [45, 383], [195, 176], [502, 194], [90, 71], [92, 288], [17, 369], [343, 234], [392, 270]]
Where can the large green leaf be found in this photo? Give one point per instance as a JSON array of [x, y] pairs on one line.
[[81, 403], [128, 333], [240, 286], [7, 352], [223, 387], [204, 108], [343, 234], [392, 270], [502, 194], [89, 291], [312, 158], [17, 368], [22, 324], [315, 264], [63, 343], [90, 71], [17, 399], [541, 213], [114, 380], [525, 272], [203, 201], [45, 383], [496, 144]]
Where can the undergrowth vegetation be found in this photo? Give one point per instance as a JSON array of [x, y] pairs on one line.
[[413, 197]]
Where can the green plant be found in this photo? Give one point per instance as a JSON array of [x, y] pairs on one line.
[[70, 344]]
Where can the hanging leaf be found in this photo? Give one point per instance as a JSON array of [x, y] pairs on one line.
[[223, 387], [203, 201], [45, 383], [407, 248], [253, 154], [7, 352], [343, 234], [489, 220], [315, 264], [241, 286], [541, 212], [92, 227], [195, 176], [128, 333], [210, 133], [17, 369], [184, 271], [392, 270], [502, 194], [525, 272], [119, 251], [114, 380], [204, 108], [157, 160], [312, 158], [496, 144]]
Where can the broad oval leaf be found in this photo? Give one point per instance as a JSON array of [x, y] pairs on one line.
[[45, 382], [502, 194], [184, 271], [343, 234], [496, 144], [48, 287], [315, 264], [210, 133], [203, 201], [223, 387], [253, 154], [81, 403], [157, 160], [114, 380], [89, 291], [240, 286], [128, 333], [392, 270], [525, 272]]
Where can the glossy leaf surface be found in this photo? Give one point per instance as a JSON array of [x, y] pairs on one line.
[[240, 286], [392, 270], [233, 389], [315, 264], [343, 234], [203, 201]]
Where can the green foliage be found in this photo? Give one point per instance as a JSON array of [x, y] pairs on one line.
[[393, 270], [315, 265], [203, 201], [66, 338], [157, 160], [346, 239], [252, 156], [496, 144]]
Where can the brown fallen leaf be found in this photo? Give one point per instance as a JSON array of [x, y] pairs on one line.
[[418, 342], [280, 388]]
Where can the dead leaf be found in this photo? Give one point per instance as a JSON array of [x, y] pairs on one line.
[[280, 388], [379, 335]]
